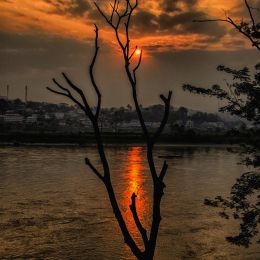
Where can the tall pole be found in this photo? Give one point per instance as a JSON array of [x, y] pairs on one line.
[[7, 92], [26, 93]]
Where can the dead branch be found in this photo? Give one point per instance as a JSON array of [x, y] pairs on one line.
[[167, 102], [139, 225], [123, 17], [105, 178], [93, 168], [91, 67]]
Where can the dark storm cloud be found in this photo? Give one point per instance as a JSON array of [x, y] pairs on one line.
[[235, 43], [242, 11], [173, 6], [177, 24], [72, 8], [21, 52], [167, 22], [79, 7], [185, 20], [145, 22]]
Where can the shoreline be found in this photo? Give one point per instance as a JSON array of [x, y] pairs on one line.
[[159, 144], [88, 139]]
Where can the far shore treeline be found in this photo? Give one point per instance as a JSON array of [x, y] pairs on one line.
[[39, 122]]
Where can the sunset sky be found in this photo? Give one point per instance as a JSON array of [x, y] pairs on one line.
[[41, 38]]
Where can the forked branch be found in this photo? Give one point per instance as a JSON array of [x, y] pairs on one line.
[[105, 176], [117, 18], [138, 224], [163, 171], [123, 39], [67, 93]]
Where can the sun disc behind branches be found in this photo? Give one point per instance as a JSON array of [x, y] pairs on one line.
[[138, 52]]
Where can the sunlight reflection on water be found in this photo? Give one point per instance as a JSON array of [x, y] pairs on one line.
[[134, 179], [52, 207]]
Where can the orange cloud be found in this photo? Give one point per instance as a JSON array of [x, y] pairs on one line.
[[168, 31]]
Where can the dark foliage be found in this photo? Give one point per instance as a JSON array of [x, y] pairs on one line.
[[243, 206], [242, 98]]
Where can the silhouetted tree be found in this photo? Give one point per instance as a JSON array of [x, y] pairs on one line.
[[242, 98], [122, 17]]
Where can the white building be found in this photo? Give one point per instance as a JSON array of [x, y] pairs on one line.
[[62, 123], [71, 114], [153, 124], [13, 118], [212, 125], [85, 122], [47, 116], [133, 124], [31, 119], [220, 125], [189, 124], [59, 115]]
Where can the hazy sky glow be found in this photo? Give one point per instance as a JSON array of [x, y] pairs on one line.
[[40, 38]]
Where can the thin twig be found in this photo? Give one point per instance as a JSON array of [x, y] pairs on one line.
[[163, 171], [93, 81], [92, 167], [250, 13]]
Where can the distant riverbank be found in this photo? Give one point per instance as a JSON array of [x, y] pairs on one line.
[[83, 139]]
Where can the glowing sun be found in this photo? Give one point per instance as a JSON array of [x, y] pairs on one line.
[[138, 52]]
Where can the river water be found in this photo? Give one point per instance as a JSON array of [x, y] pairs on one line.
[[53, 207]]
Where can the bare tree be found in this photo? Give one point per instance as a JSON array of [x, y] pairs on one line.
[[250, 29], [122, 17]]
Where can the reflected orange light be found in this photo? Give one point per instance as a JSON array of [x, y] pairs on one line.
[[134, 169], [134, 180]]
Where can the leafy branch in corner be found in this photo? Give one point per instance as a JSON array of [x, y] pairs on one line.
[[250, 29]]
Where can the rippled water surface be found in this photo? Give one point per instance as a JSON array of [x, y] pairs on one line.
[[53, 207]]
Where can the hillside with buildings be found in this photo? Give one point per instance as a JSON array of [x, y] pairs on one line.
[[19, 116]]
